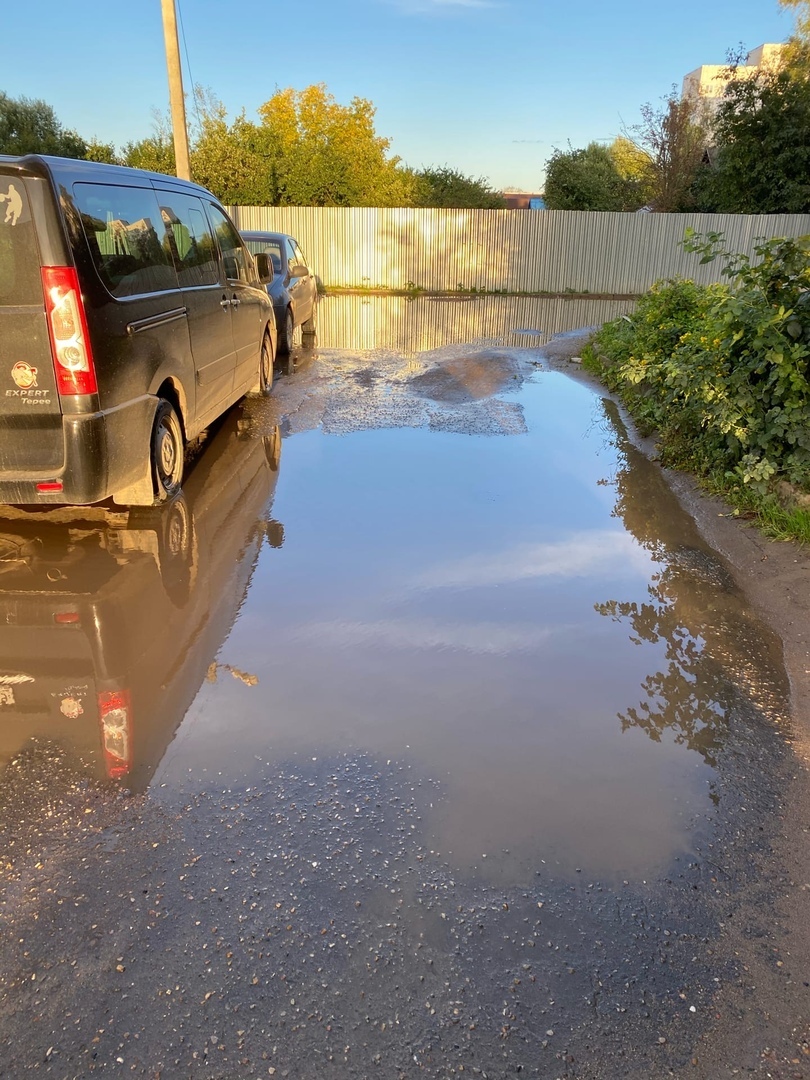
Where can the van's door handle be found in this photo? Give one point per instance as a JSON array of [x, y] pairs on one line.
[[224, 303], [236, 302]]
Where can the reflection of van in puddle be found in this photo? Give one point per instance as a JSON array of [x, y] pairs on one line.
[[108, 630]]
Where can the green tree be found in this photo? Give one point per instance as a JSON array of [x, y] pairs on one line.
[[30, 126], [155, 152], [321, 153], [801, 29], [631, 161], [674, 141], [586, 180], [762, 146], [99, 151], [635, 170], [761, 157], [234, 160], [446, 187]]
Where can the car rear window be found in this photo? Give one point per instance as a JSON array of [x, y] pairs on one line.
[[271, 248], [20, 280], [127, 238]]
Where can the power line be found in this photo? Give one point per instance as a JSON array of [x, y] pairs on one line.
[[188, 65]]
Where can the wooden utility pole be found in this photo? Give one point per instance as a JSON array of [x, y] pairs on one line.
[[176, 98]]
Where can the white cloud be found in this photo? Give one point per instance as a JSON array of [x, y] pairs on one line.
[[579, 556], [495, 639]]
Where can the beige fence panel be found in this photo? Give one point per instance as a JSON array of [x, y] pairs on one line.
[[508, 250]]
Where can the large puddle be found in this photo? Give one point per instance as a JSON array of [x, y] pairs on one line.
[[455, 560], [411, 326]]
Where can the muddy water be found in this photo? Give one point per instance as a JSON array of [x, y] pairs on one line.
[[483, 578], [462, 563], [451, 744]]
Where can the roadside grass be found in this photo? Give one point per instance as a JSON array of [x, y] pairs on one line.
[[775, 518], [776, 521]]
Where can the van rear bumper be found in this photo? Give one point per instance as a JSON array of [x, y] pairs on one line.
[[104, 452]]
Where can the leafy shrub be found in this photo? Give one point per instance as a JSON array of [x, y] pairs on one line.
[[649, 359], [721, 371]]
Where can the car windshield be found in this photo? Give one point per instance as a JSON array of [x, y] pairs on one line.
[[271, 248]]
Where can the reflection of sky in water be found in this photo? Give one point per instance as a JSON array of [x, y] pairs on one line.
[[497, 613]]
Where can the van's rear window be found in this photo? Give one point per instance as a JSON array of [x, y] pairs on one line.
[[20, 280], [127, 238]]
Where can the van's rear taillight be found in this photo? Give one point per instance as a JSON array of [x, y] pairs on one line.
[[115, 716], [70, 343]]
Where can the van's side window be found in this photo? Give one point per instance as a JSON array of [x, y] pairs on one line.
[[127, 238], [194, 248], [234, 254]]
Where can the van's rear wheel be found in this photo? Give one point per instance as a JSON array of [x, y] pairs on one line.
[[167, 451]]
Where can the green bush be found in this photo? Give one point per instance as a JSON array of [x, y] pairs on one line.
[[721, 371], [649, 359]]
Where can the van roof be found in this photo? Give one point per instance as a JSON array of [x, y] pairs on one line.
[[73, 169]]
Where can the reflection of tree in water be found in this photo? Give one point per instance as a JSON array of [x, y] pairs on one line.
[[721, 662]]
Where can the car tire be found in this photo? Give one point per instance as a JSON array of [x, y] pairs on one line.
[[285, 343], [167, 451], [264, 382]]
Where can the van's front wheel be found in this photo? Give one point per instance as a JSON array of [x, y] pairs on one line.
[[167, 451]]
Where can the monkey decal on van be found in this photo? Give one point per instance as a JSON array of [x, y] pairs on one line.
[[14, 208]]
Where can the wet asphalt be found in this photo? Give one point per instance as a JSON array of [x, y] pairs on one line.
[[454, 748]]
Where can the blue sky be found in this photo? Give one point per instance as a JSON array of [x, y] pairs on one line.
[[490, 87]]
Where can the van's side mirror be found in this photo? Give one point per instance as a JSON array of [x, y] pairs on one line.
[[264, 267]]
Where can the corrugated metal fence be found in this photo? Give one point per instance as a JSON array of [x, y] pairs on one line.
[[512, 250]]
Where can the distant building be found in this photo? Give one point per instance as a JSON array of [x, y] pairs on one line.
[[707, 83], [523, 200]]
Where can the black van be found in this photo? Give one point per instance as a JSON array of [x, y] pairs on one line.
[[131, 315]]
